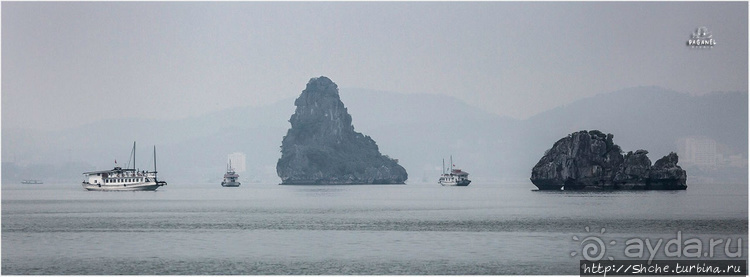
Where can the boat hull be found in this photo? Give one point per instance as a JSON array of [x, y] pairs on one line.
[[149, 186], [230, 184], [456, 184]]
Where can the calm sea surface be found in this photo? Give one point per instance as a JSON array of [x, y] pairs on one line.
[[394, 229]]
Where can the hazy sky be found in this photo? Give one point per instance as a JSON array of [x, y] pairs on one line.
[[69, 63]]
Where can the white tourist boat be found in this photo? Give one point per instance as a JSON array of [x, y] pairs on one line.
[[123, 179], [230, 178], [454, 177]]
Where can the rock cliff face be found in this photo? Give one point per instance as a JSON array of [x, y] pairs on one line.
[[591, 160], [666, 174], [322, 147], [633, 173]]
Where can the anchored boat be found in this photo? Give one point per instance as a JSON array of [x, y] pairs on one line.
[[455, 177], [230, 178], [123, 179]]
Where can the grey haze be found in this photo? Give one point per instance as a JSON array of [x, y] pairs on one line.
[[82, 80], [66, 64]]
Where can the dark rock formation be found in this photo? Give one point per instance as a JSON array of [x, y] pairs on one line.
[[580, 160], [667, 175], [633, 173], [591, 160], [322, 147]]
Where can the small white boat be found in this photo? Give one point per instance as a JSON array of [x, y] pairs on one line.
[[454, 177], [31, 182], [123, 179], [230, 178]]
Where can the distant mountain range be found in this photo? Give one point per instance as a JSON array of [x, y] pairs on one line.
[[418, 129]]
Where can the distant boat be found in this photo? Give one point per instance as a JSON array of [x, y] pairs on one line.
[[31, 182], [119, 179], [230, 178], [454, 177]]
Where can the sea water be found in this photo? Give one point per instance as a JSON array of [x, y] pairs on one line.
[[195, 229]]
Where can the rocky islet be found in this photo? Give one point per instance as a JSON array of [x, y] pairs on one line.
[[321, 147], [591, 160]]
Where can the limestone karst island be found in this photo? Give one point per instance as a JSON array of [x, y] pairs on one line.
[[322, 147], [591, 160]]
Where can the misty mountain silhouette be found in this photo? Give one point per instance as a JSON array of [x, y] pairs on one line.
[[416, 128]]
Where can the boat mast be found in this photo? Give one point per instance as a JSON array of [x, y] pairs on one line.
[[154, 162], [451, 163], [132, 156], [443, 168]]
